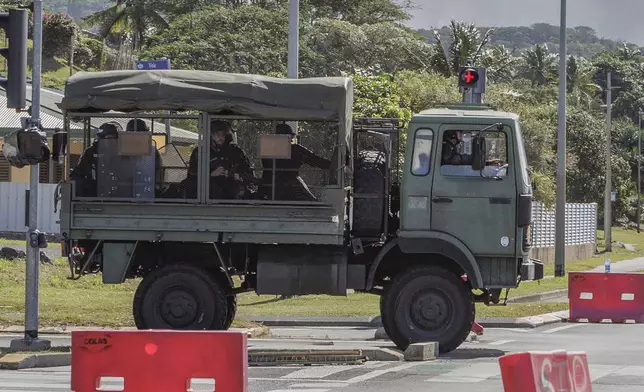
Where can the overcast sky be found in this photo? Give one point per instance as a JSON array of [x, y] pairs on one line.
[[617, 19]]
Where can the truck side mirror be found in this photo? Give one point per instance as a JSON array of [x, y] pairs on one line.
[[59, 145], [478, 152]]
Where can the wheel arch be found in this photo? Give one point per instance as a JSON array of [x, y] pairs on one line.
[[438, 243]]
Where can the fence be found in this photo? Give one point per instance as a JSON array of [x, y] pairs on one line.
[[13, 208], [581, 221], [581, 231]]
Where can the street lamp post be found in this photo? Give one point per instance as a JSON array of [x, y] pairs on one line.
[[560, 211], [639, 168]]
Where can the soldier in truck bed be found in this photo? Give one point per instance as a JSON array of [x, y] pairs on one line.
[[288, 183], [230, 171], [84, 174]]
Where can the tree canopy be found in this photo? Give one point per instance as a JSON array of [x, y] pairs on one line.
[[399, 71]]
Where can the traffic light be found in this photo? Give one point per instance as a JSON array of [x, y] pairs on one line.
[[15, 24], [468, 77]]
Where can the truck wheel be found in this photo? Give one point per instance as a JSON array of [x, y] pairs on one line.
[[428, 304], [232, 309], [180, 297]]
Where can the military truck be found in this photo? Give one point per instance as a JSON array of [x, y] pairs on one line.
[[432, 216]]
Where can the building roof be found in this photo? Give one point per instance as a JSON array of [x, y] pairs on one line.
[[51, 118]]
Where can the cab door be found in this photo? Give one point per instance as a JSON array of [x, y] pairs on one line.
[[417, 190], [480, 212]]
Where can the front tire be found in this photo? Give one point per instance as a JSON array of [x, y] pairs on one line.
[[232, 310], [180, 297], [428, 304]]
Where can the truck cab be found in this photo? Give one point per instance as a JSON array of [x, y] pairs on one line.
[[470, 186]]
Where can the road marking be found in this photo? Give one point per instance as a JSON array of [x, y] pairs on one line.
[[322, 382], [300, 390], [475, 373], [563, 327], [318, 372], [377, 373], [599, 371], [317, 385], [39, 387], [499, 342], [522, 330], [637, 371]]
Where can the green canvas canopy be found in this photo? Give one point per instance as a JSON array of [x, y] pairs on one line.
[[256, 96]]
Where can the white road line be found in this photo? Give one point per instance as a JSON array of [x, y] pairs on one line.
[[300, 390], [318, 372], [467, 374], [377, 373], [38, 387], [317, 385], [499, 342], [637, 371], [599, 371], [522, 330], [563, 327], [322, 382]]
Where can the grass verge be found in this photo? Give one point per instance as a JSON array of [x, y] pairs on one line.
[[88, 302]]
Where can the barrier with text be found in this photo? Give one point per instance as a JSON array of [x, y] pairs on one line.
[[170, 361], [536, 371]]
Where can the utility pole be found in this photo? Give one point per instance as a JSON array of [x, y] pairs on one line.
[[639, 167], [608, 238], [293, 45], [31, 342], [560, 208]]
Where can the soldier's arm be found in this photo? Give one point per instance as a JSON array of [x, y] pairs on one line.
[[83, 168], [192, 164], [307, 156]]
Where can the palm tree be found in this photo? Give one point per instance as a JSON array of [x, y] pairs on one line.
[[539, 65], [500, 63], [581, 82], [466, 43], [134, 20]]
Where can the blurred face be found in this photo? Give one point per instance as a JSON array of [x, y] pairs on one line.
[[218, 138]]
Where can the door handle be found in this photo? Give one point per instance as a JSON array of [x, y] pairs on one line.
[[442, 200]]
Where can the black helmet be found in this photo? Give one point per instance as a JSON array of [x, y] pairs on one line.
[[109, 130], [138, 125]]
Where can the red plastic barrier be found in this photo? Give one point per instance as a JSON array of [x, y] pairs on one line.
[[556, 371], [477, 328], [163, 361], [598, 296]]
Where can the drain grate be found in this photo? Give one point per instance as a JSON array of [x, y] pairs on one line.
[[273, 358]]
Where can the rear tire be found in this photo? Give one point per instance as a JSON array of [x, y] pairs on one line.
[[428, 304], [180, 297]]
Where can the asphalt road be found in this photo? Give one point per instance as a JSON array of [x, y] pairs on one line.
[[614, 354]]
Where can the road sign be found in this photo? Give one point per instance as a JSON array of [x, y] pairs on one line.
[[153, 64]]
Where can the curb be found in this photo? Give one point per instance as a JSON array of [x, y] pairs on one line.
[[538, 297], [376, 322], [254, 332], [16, 361]]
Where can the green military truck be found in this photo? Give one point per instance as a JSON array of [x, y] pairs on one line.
[[433, 218]]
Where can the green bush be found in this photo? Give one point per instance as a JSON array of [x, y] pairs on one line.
[[84, 57], [58, 31]]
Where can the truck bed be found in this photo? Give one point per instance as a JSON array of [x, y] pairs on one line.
[[131, 221]]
